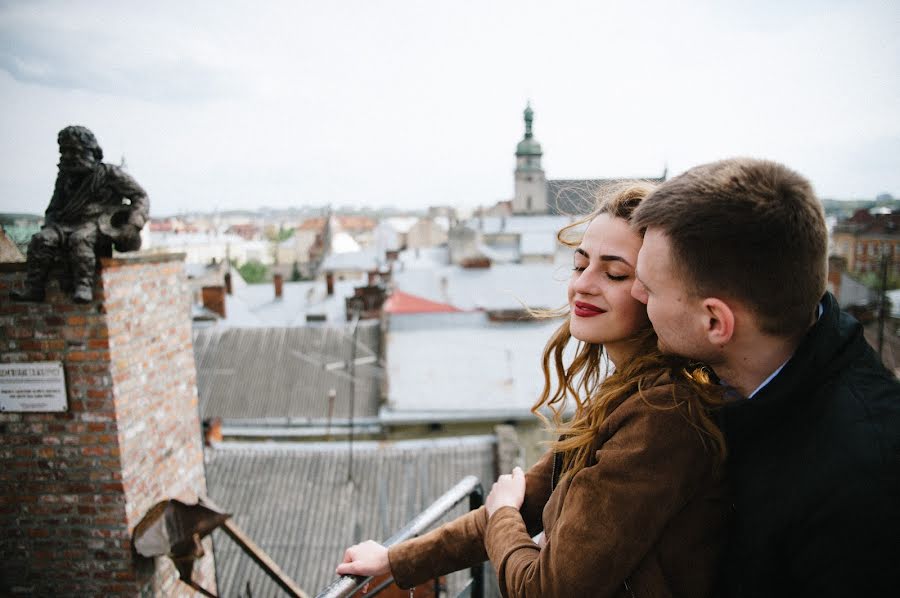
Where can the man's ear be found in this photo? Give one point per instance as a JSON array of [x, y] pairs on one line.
[[719, 321]]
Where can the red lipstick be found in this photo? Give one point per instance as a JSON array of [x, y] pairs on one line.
[[586, 310]]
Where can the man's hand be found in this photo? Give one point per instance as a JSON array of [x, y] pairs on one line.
[[367, 559], [508, 491]]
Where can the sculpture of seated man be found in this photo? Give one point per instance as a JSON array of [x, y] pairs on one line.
[[94, 206]]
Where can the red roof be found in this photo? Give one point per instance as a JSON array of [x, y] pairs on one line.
[[404, 303]]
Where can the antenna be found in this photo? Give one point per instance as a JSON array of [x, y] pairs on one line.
[[351, 370]]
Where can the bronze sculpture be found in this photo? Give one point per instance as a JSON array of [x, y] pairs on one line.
[[94, 207]]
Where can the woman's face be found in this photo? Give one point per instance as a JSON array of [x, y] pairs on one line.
[[600, 301]]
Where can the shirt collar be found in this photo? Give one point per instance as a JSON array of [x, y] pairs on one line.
[[819, 311]]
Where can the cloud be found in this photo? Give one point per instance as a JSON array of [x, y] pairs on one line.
[[91, 54]]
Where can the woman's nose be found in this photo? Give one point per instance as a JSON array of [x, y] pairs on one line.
[[587, 283]]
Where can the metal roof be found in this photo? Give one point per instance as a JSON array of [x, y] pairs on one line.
[[294, 500], [280, 372]]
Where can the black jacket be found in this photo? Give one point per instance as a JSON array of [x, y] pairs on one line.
[[814, 469]]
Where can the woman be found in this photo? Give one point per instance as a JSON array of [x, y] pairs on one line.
[[630, 499]]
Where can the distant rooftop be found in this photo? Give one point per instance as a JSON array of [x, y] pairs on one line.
[[254, 373], [502, 286], [255, 305], [466, 366]]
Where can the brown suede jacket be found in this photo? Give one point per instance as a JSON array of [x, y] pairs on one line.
[[646, 518]]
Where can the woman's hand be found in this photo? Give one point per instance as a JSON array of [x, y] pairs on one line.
[[367, 559], [508, 491]]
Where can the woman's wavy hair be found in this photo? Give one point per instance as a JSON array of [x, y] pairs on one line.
[[592, 389]]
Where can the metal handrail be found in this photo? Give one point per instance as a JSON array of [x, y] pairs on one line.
[[469, 487]]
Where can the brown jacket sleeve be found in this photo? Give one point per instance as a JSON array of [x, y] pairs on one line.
[[460, 543], [612, 513]]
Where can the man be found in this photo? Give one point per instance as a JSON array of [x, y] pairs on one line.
[[733, 271], [94, 205]]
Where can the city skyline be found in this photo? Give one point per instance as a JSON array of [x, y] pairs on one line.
[[223, 107]]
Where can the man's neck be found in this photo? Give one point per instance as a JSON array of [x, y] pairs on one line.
[[749, 366]]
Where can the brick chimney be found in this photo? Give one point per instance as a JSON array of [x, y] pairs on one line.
[[329, 283], [214, 299], [78, 477], [278, 280]]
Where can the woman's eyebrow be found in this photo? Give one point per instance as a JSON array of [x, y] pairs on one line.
[[615, 258], [582, 252]]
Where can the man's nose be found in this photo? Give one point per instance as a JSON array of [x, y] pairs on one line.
[[639, 291]]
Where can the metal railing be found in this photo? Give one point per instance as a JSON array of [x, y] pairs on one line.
[[469, 487]]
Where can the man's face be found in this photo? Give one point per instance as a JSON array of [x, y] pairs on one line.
[[74, 158], [676, 314]]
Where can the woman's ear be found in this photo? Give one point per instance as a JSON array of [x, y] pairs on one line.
[[719, 321]]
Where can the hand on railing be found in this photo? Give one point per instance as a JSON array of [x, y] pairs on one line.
[[368, 559]]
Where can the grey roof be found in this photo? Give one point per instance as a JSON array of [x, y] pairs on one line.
[[255, 373], [294, 501], [466, 366], [575, 197]]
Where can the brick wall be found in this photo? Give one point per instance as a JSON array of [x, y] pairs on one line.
[[73, 485]]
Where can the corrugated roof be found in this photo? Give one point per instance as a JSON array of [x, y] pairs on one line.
[[295, 501], [279, 372]]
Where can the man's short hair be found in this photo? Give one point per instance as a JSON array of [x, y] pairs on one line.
[[749, 230]]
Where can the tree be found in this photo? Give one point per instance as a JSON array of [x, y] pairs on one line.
[[253, 272]]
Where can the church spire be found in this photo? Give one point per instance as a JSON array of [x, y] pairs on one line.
[[529, 117]]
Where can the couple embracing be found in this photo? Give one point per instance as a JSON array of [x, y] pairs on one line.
[[747, 442]]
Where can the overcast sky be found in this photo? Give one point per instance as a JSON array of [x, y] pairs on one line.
[[221, 105]]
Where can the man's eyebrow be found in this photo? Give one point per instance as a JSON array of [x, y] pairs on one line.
[[615, 258]]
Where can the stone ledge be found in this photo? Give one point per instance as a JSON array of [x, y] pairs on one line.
[[111, 262]]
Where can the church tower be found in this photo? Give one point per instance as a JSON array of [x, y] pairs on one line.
[[531, 183]]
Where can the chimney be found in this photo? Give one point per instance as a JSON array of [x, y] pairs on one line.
[[329, 283], [372, 275], [213, 432], [278, 279], [228, 282], [214, 299]]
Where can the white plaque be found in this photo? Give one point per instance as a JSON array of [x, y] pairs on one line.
[[35, 386]]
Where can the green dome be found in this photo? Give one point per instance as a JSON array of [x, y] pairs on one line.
[[528, 147]]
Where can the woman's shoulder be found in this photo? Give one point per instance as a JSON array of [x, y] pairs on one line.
[[659, 403]]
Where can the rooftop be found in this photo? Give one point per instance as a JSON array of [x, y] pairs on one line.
[[295, 500], [256, 373]]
